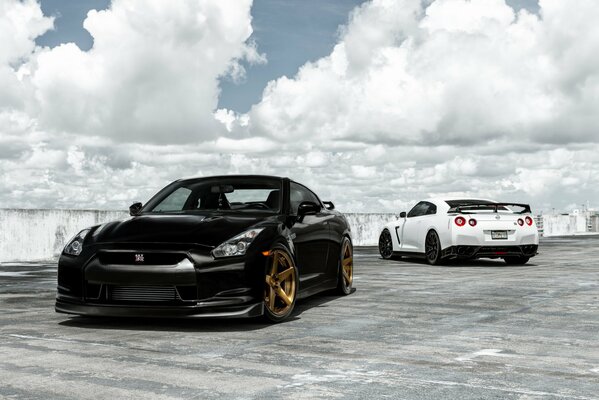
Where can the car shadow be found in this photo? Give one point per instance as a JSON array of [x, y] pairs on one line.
[[319, 300], [477, 263], [195, 325]]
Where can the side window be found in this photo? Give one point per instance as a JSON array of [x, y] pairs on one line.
[[298, 194], [175, 201], [432, 209], [419, 209]]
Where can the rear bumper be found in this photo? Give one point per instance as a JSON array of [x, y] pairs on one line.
[[198, 310], [466, 251]]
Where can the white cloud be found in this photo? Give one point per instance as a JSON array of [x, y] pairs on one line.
[[152, 74], [456, 72], [473, 97], [452, 97], [20, 24]]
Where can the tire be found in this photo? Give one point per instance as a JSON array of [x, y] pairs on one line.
[[386, 245], [281, 285], [345, 276], [432, 248], [518, 260]]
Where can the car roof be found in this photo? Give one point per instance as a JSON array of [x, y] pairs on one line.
[[233, 176], [455, 198]]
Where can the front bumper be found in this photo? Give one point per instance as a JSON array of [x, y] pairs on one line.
[[174, 283], [467, 251]]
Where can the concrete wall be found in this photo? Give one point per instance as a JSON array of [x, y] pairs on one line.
[[564, 225], [29, 235]]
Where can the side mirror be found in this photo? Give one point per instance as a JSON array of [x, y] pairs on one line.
[[307, 207], [402, 214], [135, 209], [329, 205]]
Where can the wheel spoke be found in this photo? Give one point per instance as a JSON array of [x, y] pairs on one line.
[[269, 281], [275, 265], [285, 274], [348, 261], [283, 296], [346, 277], [271, 298]]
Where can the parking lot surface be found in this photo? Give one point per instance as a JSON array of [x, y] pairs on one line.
[[468, 330]]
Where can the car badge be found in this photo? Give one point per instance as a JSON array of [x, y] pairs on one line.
[[497, 217], [139, 258]]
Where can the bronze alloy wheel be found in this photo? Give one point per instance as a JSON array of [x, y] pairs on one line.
[[281, 286], [346, 270]]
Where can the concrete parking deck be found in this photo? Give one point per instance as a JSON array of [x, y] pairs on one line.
[[473, 330]]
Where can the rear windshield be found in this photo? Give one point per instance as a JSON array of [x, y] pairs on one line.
[[455, 203], [475, 206]]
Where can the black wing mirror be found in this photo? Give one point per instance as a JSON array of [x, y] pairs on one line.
[[328, 205], [402, 214], [307, 207], [135, 209]]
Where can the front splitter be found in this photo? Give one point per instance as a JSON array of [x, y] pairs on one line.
[[107, 310]]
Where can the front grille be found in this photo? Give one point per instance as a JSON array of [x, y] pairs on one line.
[[139, 258], [143, 293]]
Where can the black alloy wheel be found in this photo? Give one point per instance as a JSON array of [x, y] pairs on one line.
[[432, 248], [517, 260], [386, 245]]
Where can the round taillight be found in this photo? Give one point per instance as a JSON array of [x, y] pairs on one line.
[[472, 222], [520, 221], [528, 221], [460, 221]]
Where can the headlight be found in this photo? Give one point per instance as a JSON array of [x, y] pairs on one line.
[[238, 245], [75, 245]]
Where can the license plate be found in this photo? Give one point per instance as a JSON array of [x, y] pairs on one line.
[[498, 235]]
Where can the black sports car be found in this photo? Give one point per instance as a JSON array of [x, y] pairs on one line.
[[224, 246]]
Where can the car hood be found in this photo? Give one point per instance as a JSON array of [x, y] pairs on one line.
[[206, 230]]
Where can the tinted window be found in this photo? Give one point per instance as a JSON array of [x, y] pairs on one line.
[[422, 208], [175, 201], [432, 209], [223, 194], [466, 202], [473, 205], [298, 194]]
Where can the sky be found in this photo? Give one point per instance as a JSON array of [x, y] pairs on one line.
[[374, 104]]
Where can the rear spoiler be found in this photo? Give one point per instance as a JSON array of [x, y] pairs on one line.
[[486, 206]]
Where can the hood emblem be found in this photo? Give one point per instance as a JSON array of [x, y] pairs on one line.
[[497, 216], [139, 258]]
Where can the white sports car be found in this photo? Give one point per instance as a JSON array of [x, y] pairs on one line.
[[439, 229]]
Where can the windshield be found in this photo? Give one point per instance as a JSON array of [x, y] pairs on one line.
[[218, 194]]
